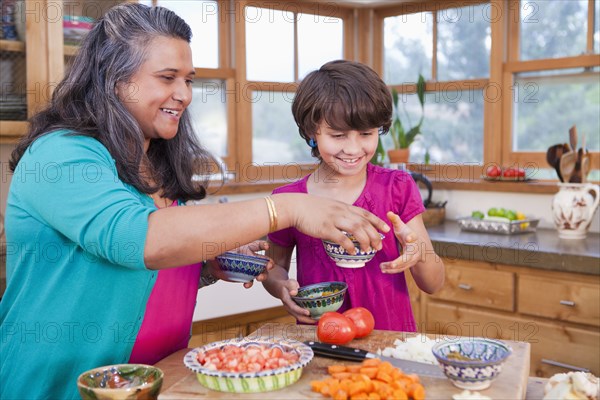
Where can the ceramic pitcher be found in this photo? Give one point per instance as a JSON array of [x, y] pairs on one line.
[[573, 208]]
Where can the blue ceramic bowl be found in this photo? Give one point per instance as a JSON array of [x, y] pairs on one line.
[[320, 298], [471, 363], [346, 260], [237, 267]]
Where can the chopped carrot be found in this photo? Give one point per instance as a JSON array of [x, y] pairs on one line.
[[371, 380], [332, 369], [342, 375], [353, 368], [417, 391], [371, 372], [371, 362]]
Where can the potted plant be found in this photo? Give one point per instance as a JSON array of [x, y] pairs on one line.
[[402, 135]]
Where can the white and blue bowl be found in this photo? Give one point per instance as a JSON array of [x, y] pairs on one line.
[[346, 260], [237, 267], [322, 297], [250, 382], [471, 363]]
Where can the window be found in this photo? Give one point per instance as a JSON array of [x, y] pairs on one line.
[[449, 46], [555, 79], [284, 42], [203, 17], [208, 112]]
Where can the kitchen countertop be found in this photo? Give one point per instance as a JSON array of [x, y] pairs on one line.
[[178, 376], [542, 249], [180, 383]]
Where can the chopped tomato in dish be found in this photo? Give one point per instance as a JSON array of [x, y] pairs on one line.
[[246, 359]]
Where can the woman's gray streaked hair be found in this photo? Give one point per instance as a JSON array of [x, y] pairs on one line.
[[85, 101]]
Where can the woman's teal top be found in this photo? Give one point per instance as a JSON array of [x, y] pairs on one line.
[[77, 285]]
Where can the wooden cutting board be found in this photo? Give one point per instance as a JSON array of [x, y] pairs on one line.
[[511, 384]]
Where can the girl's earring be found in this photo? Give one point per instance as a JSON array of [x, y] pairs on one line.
[[312, 143]]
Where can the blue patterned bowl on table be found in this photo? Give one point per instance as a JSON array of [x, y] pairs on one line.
[[248, 382], [320, 298], [238, 267], [346, 260], [471, 363], [120, 382]]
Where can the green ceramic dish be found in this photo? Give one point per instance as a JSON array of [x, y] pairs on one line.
[[120, 382], [249, 382], [320, 298]]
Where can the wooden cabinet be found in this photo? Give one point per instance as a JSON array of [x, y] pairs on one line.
[[557, 313], [32, 66]]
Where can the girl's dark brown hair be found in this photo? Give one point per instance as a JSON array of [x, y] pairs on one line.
[[346, 95]]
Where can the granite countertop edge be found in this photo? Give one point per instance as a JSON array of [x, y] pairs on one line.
[[542, 249]]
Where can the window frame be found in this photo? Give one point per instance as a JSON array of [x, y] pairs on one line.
[[244, 168], [514, 66], [504, 63]]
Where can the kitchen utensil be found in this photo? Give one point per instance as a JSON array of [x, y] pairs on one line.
[[573, 137], [585, 161], [553, 156], [417, 177], [568, 161], [567, 165], [354, 354]]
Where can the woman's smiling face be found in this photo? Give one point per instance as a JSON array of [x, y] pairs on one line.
[[159, 92]]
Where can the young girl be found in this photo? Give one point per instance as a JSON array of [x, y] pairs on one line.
[[340, 110], [104, 266]]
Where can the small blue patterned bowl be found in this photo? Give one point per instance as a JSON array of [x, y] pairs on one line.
[[320, 298], [237, 267], [471, 363], [346, 260]]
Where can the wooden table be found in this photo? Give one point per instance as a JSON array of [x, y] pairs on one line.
[[180, 383]]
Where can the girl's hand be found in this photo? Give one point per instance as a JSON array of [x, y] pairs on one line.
[[252, 249], [285, 291], [410, 248], [328, 219]]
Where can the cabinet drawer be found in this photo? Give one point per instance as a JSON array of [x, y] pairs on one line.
[[552, 345], [480, 287], [566, 301]]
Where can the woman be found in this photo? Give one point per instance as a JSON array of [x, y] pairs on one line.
[[92, 212]]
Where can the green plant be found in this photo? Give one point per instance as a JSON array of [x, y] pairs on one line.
[[401, 137]]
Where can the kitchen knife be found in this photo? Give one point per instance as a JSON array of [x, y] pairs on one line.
[[354, 354]]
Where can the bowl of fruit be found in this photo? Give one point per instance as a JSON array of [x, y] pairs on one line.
[[498, 220], [497, 173]]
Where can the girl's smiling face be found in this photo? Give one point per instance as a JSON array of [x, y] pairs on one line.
[[346, 152], [159, 92]]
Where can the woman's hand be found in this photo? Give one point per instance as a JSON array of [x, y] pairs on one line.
[[328, 219], [410, 247]]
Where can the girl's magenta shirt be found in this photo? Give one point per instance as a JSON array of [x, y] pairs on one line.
[[385, 295], [167, 322]]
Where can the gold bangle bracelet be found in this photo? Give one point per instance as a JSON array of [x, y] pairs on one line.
[[272, 214]]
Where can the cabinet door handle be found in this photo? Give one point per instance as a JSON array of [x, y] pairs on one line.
[[465, 286], [567, 303], [563, 365]]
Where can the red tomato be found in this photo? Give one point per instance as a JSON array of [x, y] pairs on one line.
[[509, 173], [493, 171], [335, 328], [363, 320]]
